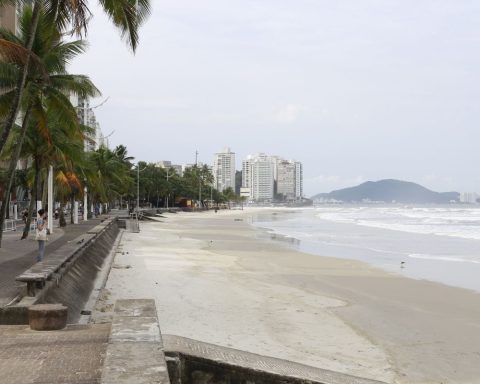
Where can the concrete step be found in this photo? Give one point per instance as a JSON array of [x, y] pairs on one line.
[[135, 348]]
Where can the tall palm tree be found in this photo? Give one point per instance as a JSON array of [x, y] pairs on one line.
[[112, 176], [126, 15], [46, 88]]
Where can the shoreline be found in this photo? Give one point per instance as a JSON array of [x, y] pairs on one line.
[[442, 264], [215, 281]]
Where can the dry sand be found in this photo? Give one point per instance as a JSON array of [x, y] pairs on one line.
[[213, 280]]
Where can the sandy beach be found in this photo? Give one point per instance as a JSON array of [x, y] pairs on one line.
[[214, 280]]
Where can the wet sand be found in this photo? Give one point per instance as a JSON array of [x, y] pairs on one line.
[[214, 280]]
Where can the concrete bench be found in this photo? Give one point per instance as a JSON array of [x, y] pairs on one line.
[[135, 348]]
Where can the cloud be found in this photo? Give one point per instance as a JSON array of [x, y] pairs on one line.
[[289, 114], [149, 103]]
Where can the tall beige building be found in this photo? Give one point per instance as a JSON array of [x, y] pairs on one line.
[[9, 17], [224, 170]]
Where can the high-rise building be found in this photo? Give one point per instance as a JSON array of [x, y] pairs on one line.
[[224, 170], [285, 179], [264, 177], [9, 15], [298, 180], [289, 179], [86, 116], [258, 177]]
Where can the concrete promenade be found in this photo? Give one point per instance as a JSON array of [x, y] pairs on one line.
[[17, 255], [73, 355]]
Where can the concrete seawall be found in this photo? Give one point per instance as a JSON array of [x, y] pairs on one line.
[[73, 279]]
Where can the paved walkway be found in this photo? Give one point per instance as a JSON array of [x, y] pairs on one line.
[[74, 355], [18, 255]]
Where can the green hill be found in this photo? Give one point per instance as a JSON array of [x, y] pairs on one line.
[[389, 191]]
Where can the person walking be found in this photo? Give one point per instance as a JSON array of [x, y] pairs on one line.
[[41, 233]]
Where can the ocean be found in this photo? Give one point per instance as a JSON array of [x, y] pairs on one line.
[[436, 243]]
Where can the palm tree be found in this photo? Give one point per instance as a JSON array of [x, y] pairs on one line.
[[46, 89], [111, 176], [126, 15]]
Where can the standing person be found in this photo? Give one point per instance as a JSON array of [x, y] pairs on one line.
[[25, 216], [41, 233]]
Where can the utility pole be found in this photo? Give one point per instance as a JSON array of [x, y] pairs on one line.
[[196, 157]]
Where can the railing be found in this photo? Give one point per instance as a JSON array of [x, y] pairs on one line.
[[9, 225]]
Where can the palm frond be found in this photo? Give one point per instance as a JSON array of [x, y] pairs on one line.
[[79, 85], [128, 16]]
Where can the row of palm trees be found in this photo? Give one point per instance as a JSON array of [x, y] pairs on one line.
[[38, 121], [40, 125]]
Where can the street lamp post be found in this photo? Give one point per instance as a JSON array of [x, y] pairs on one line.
[[85, 203], [138, 187], [168, 191], [138, 184]]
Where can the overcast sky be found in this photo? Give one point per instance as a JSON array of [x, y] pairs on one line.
[[355, 89]]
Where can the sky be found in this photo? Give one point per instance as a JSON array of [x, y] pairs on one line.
[[356, 90]]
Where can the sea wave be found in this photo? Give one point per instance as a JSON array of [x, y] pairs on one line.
[[453, 222], [442, 258]]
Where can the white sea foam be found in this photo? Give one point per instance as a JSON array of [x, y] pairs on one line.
[[438, 243], [443, 258], [454, 222]]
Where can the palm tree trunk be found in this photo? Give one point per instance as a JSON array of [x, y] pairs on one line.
[[11, 170], [72, 203], [22, 78], [33, 201], [61, 220], [45, 191]]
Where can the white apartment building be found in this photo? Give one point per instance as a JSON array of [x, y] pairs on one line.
[[258, 177], [86, 116], [264, 176], [298, 180], [469, 197], [224, 169], [165, 164]]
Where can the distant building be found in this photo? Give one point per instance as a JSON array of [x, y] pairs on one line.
[[246, 189], [9, 15], [86, 116], [289, 179], [224, 170], [258, 177], [286, 179], [238, 182], [268, 177], [168, 165], [469, 197], [298, 180], [263, 178]]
